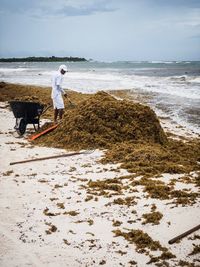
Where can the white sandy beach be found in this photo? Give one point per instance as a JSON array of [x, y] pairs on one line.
[[27, 237]]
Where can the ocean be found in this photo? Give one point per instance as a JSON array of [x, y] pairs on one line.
[[171, 88]]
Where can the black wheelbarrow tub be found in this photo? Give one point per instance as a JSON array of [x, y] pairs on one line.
[[27, 110], [25, 113]]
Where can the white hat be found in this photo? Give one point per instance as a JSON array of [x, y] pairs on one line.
[[63, 67]]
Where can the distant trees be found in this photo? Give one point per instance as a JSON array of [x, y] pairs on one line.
[[42, 59]]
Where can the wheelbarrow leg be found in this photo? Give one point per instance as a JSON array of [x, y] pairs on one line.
[[16, 124], [38, 125], [20, 126], [36, 128]]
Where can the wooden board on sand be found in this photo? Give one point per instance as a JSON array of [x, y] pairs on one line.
[[33, 137]]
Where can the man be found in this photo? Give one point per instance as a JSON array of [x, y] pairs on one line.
[[57, 92]]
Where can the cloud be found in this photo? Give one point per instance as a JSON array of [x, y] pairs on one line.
[[83, 10], [195, 36], [177, 3], [186, 3], [38, 8], [17, 6]]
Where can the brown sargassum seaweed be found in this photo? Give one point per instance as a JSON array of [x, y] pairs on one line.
[[101, 121], [130, 132], [153, 158], [153, 217], [132, 135]]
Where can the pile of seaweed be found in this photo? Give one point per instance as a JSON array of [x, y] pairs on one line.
[[102, 120], [130, 132]]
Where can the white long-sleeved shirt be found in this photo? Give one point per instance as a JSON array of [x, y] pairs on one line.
[[57, 79]]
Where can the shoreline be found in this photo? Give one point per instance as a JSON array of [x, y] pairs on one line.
[[81, 224]]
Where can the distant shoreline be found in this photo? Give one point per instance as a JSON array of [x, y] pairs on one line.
[[43, 59]]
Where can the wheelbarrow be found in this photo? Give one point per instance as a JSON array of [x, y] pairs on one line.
[[26, 113]]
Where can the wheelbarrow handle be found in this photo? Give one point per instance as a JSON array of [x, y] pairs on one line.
[[46, 109]]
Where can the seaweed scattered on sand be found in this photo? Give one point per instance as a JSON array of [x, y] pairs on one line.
[[121, 252], [196, 250], [71, 213], [116, 223], [42, 181], [151, 159], [52, 229], [154, 188], [153, 207], [8, 173], [88, 198], [153, 217], [140, 239], [184, 198], [89, 233], [132, 262], [60, 205], [53, 198], [166, 255], [90, 222], [128, 201], [47, 213], [57, 186], [144, 244], [194, 237], [66, 242], [108, 184], [102, 262], [159, 190], [186, 264]]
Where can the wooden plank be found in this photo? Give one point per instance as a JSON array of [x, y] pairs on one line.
[[51, 157], [33, 137], [173, 240]]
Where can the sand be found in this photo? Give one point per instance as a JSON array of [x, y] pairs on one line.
[[29, 192]]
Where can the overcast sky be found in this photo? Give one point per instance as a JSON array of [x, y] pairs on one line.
[[101, 29]]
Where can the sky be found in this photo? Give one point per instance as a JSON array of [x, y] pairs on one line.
[[101, 30]]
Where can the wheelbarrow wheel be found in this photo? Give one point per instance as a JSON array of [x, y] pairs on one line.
[[36, 127], [21, 129]]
